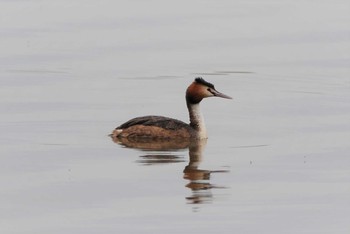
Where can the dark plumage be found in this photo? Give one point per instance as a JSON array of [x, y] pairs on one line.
[[200, 80], [157, 121]]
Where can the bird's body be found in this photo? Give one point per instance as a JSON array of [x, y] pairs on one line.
[[153, 127], [159, 127]]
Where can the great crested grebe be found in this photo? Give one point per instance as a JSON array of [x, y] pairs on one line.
[[159, 127]]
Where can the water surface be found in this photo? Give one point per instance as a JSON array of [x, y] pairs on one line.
[[277, 156]]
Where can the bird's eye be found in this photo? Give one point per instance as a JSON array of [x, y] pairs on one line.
[[210, 91]]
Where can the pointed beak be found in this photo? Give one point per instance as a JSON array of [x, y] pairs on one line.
[[218, 94]]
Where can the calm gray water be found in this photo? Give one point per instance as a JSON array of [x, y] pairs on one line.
[[277, 157]]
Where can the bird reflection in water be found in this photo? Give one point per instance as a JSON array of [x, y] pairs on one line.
[[199, 179]]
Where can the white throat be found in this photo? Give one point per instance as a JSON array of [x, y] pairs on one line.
[[197, 120]]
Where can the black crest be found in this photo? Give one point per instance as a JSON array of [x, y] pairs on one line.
[[200, 80]]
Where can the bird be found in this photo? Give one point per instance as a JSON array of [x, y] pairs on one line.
[[164, 128]]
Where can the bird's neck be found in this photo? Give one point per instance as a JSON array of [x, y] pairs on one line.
[[197, 120]]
